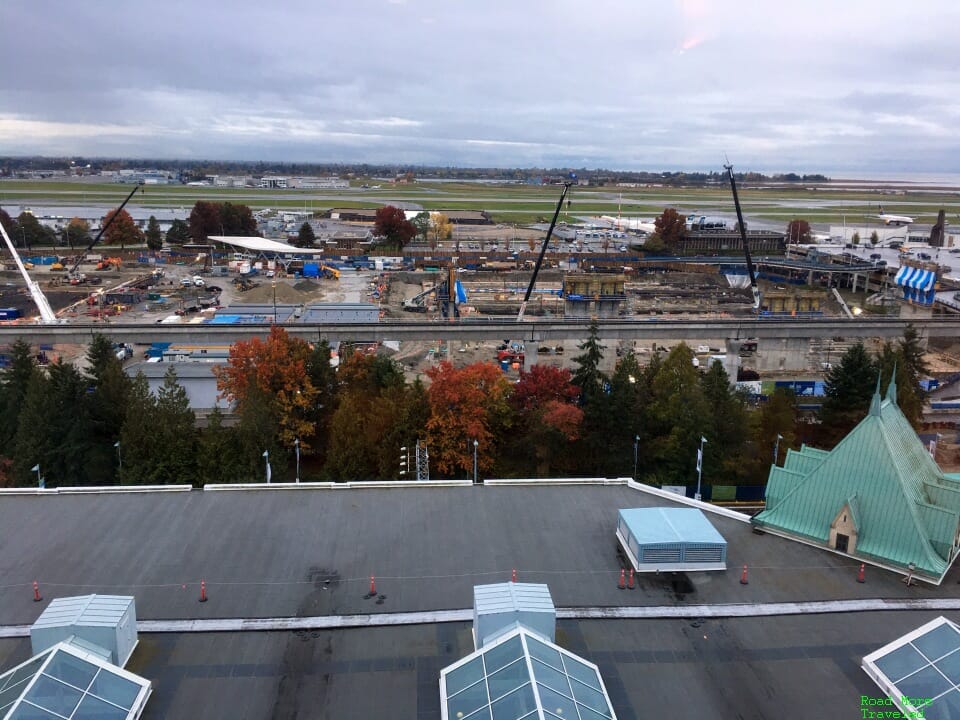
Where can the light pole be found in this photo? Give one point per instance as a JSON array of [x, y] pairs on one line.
[[119, 456], [40, 483], [274, 302], [296, 448], [703, 441], [266, 457], [636, 445], [475, 445], [776, 449]]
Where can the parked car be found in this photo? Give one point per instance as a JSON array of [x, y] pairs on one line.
[[875, 256]]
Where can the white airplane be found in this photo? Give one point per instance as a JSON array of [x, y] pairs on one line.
[[630, 223], [895, 220]]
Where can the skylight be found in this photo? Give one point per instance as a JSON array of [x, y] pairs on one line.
[[65, 683], [523, 676], [920, 672]]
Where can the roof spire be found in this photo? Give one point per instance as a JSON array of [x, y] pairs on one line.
[[892, 387], [875, 401]]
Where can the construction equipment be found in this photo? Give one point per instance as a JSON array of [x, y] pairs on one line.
[[330, 272], [47, 316], [243, 284], [546, 242], [746, 245], [110, 263], [107, 224]]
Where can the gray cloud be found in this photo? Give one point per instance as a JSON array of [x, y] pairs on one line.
[[816, 86]]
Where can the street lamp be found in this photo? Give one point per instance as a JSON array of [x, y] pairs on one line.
[[119, 456], [274, 302], [40, 483], [703, 441], [266, 457], [475, 445], [296, 448], [776, 449], [636, 445]]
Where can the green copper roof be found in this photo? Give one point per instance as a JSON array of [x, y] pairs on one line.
[[905, 509]]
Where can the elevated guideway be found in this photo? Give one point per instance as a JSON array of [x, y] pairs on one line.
[[772, 329]]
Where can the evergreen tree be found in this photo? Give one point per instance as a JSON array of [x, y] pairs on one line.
[[218, 452], [910, 398], [678, 413], [137, 436], [33, 444], [55, 429], [153, 235], [850, 385], [107, 401], [587, 375], [912, 351], [727, 427], [175, 461], [306, 237], [611, 421], [179, 233], [257, 431], [13, 389]]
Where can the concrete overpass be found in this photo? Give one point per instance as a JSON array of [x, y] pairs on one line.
[[768, 329]]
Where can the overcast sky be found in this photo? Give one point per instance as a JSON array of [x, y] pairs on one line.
[[810, 85]]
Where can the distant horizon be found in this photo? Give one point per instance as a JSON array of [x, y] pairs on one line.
[[842, 175]]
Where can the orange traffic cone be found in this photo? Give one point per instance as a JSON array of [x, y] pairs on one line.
[[373, 587], [860, 576], [36, 592], [743, 576], [513, 575], [203, 591], [630, 581], [623, 579]]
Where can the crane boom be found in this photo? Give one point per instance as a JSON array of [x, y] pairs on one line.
[[47, 316], [743, 238], [107, 224], [543, 250]]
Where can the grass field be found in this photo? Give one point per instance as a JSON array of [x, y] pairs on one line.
[[516, 203]]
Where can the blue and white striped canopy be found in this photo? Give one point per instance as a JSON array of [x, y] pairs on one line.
[[916, 278]]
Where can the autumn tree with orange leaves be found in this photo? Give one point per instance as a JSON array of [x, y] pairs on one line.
[[272, 372], [123, 230], [466, 404]]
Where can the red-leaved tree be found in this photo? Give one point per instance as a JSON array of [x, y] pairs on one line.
[[548, 417], [391, 224]]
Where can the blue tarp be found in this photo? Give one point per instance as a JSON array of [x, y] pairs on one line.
[[311, 270]]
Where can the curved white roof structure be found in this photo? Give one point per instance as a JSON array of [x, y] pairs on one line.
[[259, 244]]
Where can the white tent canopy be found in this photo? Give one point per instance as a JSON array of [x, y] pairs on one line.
[[263, 245]]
